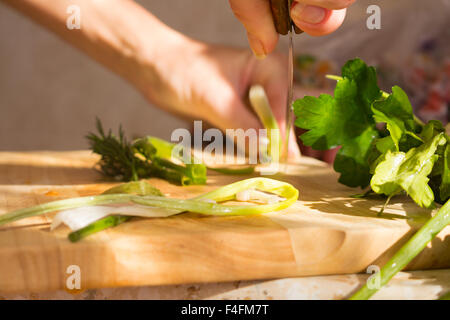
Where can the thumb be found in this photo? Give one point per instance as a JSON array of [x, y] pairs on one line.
[[316, 21]]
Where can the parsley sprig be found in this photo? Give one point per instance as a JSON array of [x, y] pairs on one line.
[[404, 155]]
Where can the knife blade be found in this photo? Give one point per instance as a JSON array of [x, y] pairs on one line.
[[284, 25], [289, 110]]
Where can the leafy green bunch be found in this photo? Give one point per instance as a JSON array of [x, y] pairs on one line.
[[144, 158], [382, 143]]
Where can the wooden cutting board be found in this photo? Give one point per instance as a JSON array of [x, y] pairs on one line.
[[325, 232]]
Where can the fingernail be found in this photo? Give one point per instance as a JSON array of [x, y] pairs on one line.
[[307, 13], [257, 47]]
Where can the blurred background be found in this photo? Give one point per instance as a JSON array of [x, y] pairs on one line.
[[50, 93]]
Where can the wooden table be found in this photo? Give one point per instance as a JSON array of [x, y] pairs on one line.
[[414, 285]]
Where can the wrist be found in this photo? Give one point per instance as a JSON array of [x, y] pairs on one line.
[[134, 42]]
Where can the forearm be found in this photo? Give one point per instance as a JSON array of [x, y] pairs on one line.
[[119, 34]]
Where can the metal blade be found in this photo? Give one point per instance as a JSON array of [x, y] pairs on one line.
[[289, 111]]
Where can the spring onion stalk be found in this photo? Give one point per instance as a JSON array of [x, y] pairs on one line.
[[233, 171], [115, 195], [165, 150], [97, 226], [260, 104], [445, 296], [146, 189], [195, 172], [64, 205], [136, 187], [410, 250], [226, 193], [198, 204]]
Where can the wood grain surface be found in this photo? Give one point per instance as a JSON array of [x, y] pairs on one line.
[[325, 232]]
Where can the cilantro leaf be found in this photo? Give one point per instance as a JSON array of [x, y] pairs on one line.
[[409, 171], [396, 112]]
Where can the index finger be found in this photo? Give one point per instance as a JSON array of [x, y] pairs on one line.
[[256, 16]]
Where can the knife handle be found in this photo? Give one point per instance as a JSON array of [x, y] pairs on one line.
[[281, 17]]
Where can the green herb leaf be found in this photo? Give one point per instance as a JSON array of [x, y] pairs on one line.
[[366, 79], [117, 155], [431, 129], [345, 119], [396, 112], [331, 121], [409, 171], [445, 184], [352, 160]]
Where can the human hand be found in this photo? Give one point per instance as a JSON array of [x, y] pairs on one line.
[[315, 17], [201, 81]]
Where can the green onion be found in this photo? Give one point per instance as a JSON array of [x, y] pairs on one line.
[[260, 104], [233, 171], [64, 205], [410, 250], [196, 169], [197, 204], [445, 296], [97, 226]]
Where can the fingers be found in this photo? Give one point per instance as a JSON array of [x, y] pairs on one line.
[[327, 4], [256, 16], [317, 21], [233, 113], [275, 85], [315, 17], [277, 98], [294, 149]]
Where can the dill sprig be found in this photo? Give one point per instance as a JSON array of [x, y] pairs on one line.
[[117, 156]]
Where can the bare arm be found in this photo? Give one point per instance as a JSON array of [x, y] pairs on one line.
[[119, 34], [181, 75]]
